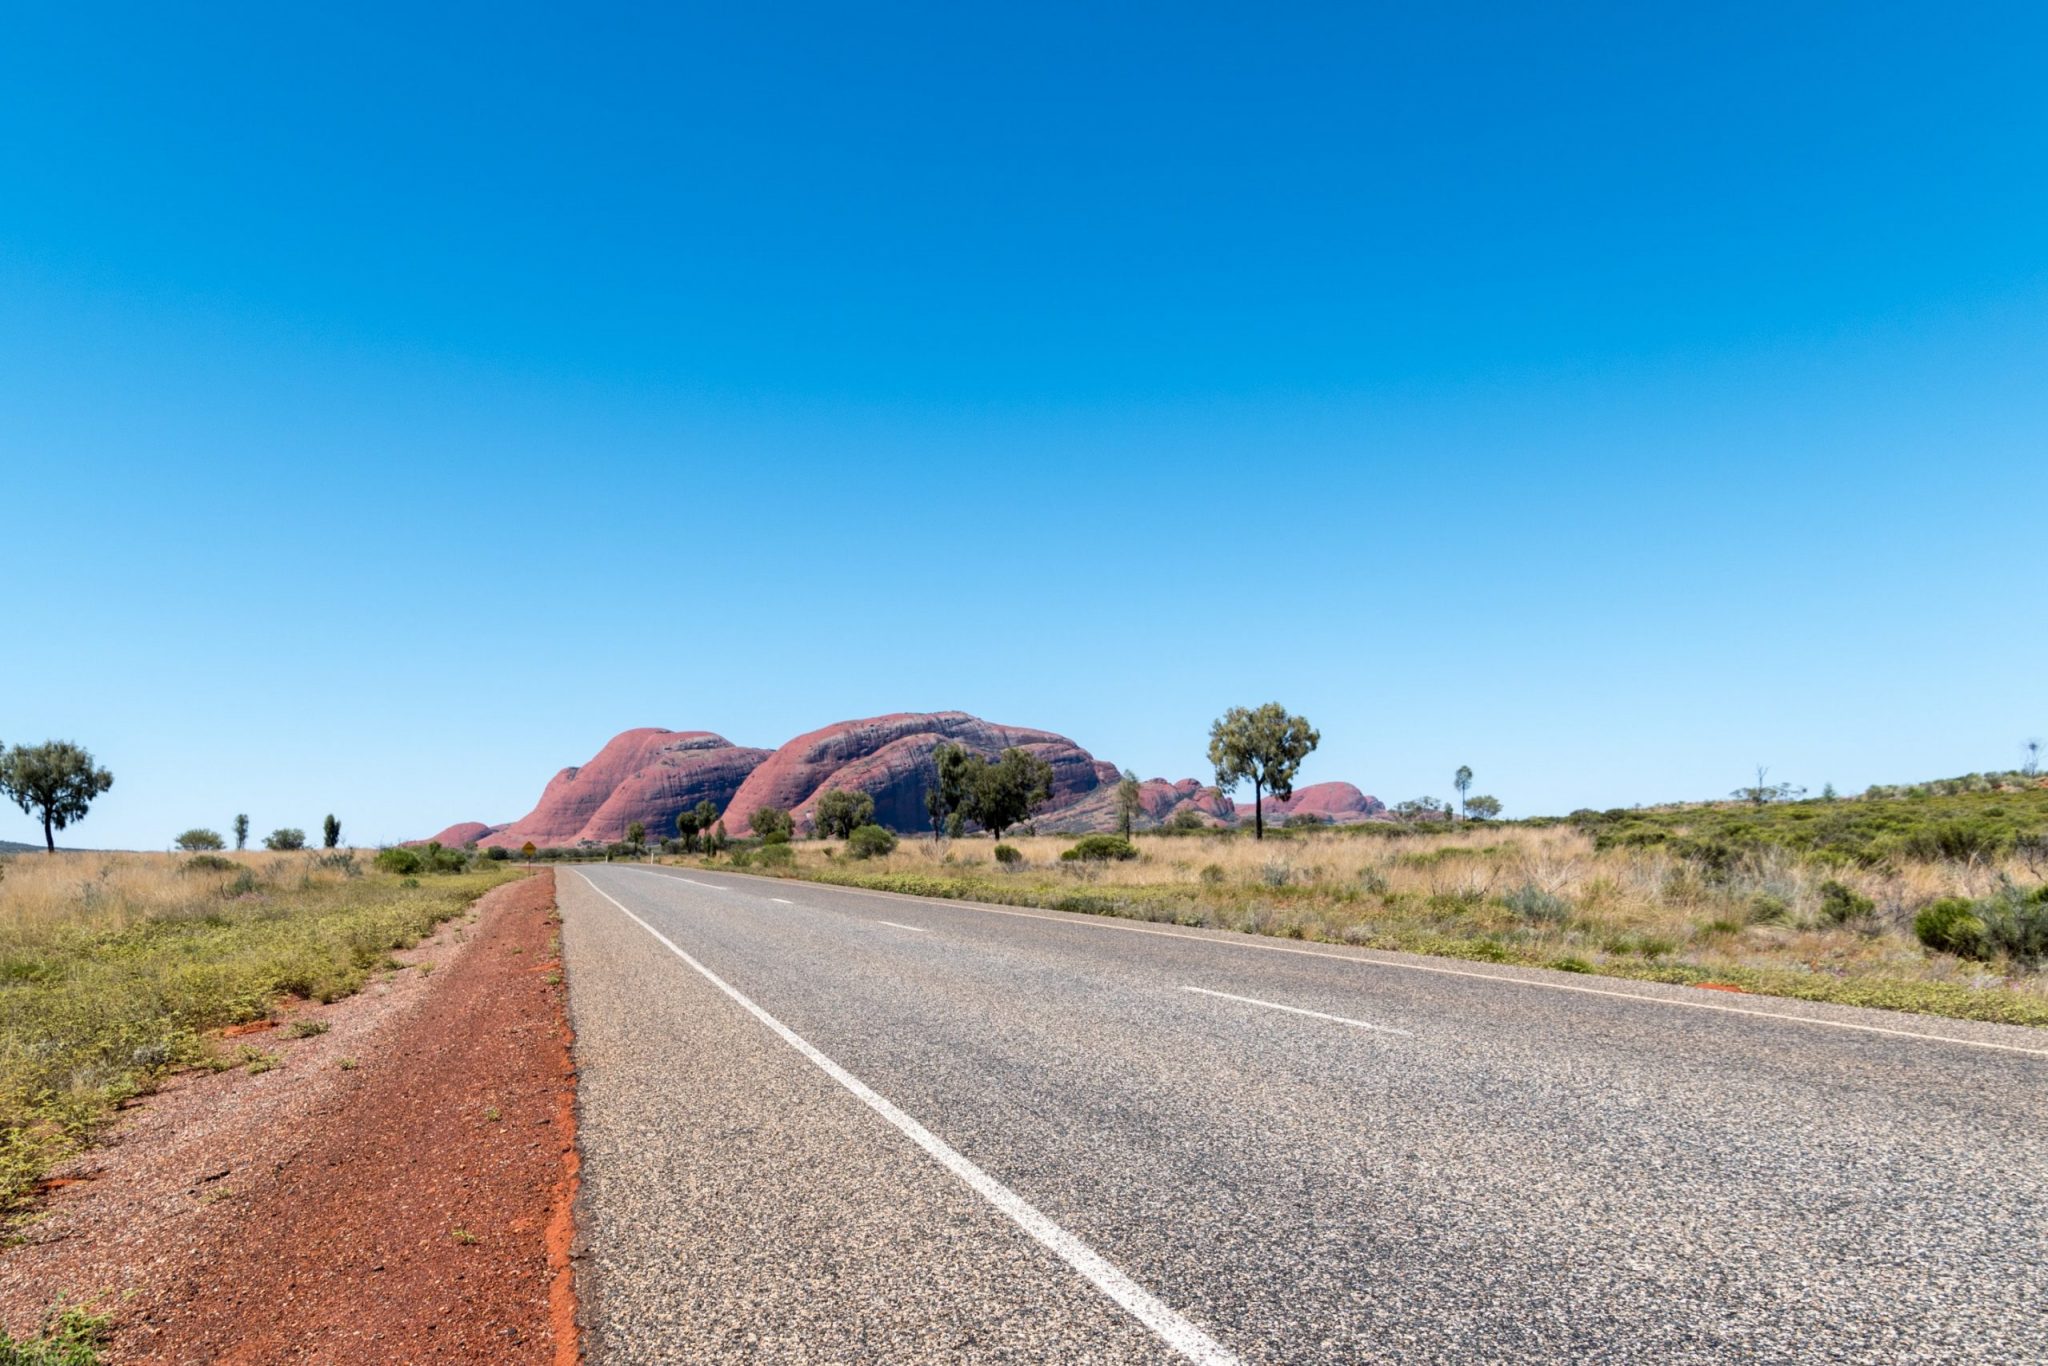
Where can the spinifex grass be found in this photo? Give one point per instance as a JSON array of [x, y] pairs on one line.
[[1759, 916], [113, 967]]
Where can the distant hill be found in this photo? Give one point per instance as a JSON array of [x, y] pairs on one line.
[[12, 847], [648, 775]]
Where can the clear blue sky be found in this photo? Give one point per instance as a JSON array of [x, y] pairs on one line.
[[395, 404]]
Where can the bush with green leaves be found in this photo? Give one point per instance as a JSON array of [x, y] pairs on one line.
[[870, 841], [1840, 904], [209, 863], [399, 859], [1531, 902], [1100, 849], [1009, 853], [2010, 922], [772, 824], [287, 837], [842, 811], [198, 837]]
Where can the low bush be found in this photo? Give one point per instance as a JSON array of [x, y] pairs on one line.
[[1531, 902], [1765, 909], [1840, 904], [1100, 849], [773, 824], [198, 838], [399, 859], [1009, 853], [286, 837], [775, 855], [208, 863], [1951, 925], [870, 841]]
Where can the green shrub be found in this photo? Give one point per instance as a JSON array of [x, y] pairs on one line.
[[286, 837], [199, 838], [1765, 909], [1100, 849], [70, 1337], [1213, 875], [2016, 923], [497, 853], [399, 859], [773, 824], [776, 855], [1951, 925], [1009, 853], [870, 841], [209, 863], [1840, 904], [1531, 902], [842, 811]]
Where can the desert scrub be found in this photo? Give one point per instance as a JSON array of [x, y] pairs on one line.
[[114, 968], [70, 1336], [1759, 914]]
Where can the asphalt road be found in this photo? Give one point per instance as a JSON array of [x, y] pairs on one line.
[[825, 1125]]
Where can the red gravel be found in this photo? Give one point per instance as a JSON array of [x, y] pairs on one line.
[[413, 1207]]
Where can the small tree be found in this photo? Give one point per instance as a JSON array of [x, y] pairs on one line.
[[241, 832], [842, 811], [1483, 807], [946, 798], [198, 838], [1263, 746], [716, 841], [287, 837], [1005, 791], [1762, 793], [330, 831], [636, 833], [54, 781], [1462, 780], [772, 824], [1129, 802], [2032, 765], [687, 829]]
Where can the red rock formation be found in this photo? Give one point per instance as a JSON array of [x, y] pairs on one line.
[[645, 775], [1337, 803], [649, 775], [889, 758], [456, 836]]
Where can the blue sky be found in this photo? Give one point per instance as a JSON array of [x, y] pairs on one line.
[[394, 406]]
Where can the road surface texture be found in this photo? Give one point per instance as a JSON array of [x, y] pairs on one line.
[[828, 1125]]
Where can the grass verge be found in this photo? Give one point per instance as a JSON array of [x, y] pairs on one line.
[[114, 969]]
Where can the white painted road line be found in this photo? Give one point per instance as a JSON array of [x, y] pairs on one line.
[[1177, 1332], [917, 929], [1297, 1010], [782, 900]]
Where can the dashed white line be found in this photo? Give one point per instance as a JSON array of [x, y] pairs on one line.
[[1256, 944], [919, 929], [1177, 1332], [1297, 1010], [782, 901]]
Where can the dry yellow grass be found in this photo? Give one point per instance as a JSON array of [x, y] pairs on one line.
[[1540, 895]]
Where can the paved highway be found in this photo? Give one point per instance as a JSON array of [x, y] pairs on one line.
[[826, 1125]]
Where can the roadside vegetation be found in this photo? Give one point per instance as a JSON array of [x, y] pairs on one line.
[[115, 969], [1927, 898]]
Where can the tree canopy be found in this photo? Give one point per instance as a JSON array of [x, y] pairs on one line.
[[55, 782], [1263, 746], [842, 811]]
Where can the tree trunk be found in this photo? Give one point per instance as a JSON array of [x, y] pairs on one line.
[[49, 838], [1258, 811]]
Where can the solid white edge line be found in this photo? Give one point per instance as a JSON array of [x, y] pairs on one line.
[[917, 929], [1297, 1010], [782, 900], [1177, 1332], [1087, 922]]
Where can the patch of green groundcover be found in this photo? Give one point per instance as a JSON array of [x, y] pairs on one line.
[[90, 1017], [1484, 943], [70, 1336]]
